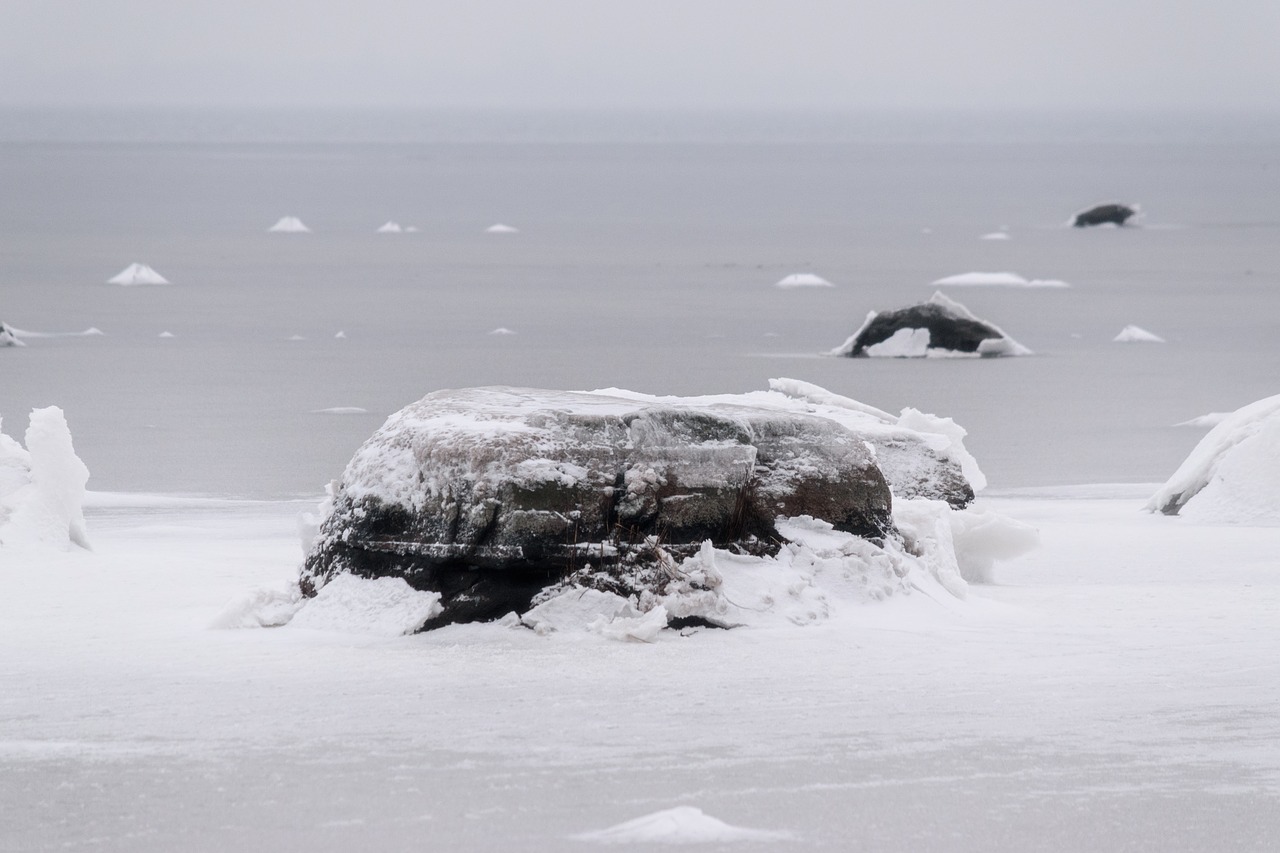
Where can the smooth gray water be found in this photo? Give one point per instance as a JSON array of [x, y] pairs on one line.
[[644, 264]]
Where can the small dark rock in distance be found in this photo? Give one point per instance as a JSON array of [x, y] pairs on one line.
[[1104, 214]]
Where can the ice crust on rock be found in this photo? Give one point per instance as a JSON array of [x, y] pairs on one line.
[[137, 274], [938, 328], [289, 225], [1233, 474], [997, 279], [1137, 335], [42, 486], [803, 279], [680, 825]]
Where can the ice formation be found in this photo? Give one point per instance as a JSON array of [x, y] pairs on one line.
[[997, 279], [1137, 335], [8, 337], [387, 607], [680, 825], [390, 227], [1205, 421], [1233, 474], [289, 225], [938, 328], [803, 279], [42, 486], [995, 235], [502, 330], [499, 228], [137, 274]]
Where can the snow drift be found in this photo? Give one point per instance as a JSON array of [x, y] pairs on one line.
[[680, 825], [137, 274], [499, 228], [803, 279], [1233, 474], [1137, 335], [997, 279], [42, 485], [289, 225]]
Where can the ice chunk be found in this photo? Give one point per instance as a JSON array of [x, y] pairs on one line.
[[289, 225], [803, 279], [502, 330], [388, 607], [998, 279], [579, 609], [499, 228], [904, 343], [390, 227], [1137, 335], [680, 825], [137, 274], [1232, 473], [8, 337], [42, 487], [995, 235]]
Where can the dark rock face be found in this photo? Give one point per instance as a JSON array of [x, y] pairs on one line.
[[490, 495], [950, 326], [1104, 214]]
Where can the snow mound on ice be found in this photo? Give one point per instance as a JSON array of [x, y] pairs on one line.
[[605, 613], [42, 486], [996, 235], [341, 410], [8, 337], [680, 825], [502, 330], [388, 607], [23, 333], [1137, 335], [1233, 474], [1205, 421], [998, 279], [137, 274], [390, 227], [803, 279], [289, 225], [499, 228], [264, 607]]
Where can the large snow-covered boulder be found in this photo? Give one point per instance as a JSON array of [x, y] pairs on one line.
[[1111, 213], [42, 485], [1233, 474], [488, 495], [940, 327]]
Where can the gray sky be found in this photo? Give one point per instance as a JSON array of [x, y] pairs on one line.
[[686, 54]]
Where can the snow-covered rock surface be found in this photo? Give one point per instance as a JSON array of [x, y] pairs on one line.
[[939, 328], [1137, 335], [1233, 474], [997, 279], [803, 279], [42, 486], [680, 825], [137, 274], [289, 225]]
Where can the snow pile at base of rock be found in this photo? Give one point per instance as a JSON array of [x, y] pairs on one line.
[[1137, 335], [681, 825], [388, 607], [938, 328], [289, 225], [997, 279], [8, 337], [42, 486], [264, 607], [803, 279], [137, 274], [1233, 474]]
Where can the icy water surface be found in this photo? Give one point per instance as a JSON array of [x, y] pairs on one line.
[[645, 258]]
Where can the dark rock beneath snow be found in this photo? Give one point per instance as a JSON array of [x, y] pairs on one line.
[[489, 495], [951, 328], [1104, 214]]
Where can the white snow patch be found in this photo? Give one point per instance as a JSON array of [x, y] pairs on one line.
[[499, 228], [23, 333], [1232, 474], [263, 607], [1205, 421], [904, 343], [579, 609], [340, 335], [289, 225], [8, 337], [341, 410], [680, 825], [502, 330], [998, 279], [296, 338], [803, 279], [996, 235], [165, 335], [387, 607], [1137, 335], [390, 227], [42, 486], [137, 274]]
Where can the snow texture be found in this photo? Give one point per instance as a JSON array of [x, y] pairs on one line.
[[680, 825], [1232, 474], [137, 274], [1205, 421], [289, 225], [1137, 335], [23, 333], [499, 228], [803, 279], [502, 330], [263, 607], [390, 227], [42, 486], [904, 343], [995, 235], [387, 607], [998, 279]]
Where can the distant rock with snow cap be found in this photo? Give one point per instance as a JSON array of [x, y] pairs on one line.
[[490, 496], [937, 328], [1111, 213]]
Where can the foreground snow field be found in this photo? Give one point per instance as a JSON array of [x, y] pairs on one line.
[[1116, 689]]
